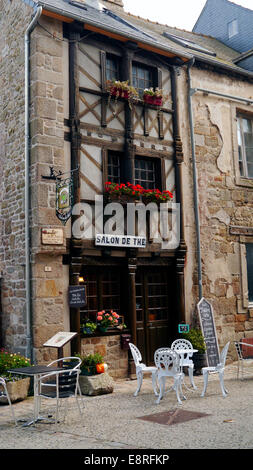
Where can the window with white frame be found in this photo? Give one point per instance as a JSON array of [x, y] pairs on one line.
[[249, 258], [245, 145]]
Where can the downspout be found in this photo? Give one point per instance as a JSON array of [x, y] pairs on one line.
[[29, 346], [195, 178]]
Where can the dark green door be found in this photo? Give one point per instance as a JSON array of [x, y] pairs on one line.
[[152, 311]]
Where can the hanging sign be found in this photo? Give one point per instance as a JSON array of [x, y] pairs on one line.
[[64, 199], [206, 317], [77, 296]]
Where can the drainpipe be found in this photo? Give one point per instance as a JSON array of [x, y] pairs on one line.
[[29, 349], [195, 178]]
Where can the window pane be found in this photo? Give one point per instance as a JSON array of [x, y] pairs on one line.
[[112, 69], [249, 254], [113, 168], [145, 173], [141, 78]]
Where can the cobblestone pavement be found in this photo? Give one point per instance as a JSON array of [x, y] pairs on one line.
[[112, 421]]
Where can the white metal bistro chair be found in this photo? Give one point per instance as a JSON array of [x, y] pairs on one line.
[[242, 358], [141, 368], [218, 369], [185, 359], [167, 362], [4, 393], [61, 385]]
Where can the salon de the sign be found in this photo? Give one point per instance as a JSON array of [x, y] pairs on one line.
[[120, 241]]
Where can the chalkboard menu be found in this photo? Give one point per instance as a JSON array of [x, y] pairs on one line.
[[209, 332], [77, 296]]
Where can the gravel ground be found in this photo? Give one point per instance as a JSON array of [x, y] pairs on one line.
[[111, 421]]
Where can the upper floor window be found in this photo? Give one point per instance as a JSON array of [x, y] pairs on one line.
[[142, 78], [147, 172], [245, 146], [249, 257], [112, 68], [113, 168], [233, 28]]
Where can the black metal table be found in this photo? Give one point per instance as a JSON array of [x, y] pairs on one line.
[[36, 372]]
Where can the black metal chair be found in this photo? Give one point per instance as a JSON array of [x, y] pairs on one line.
[[61, 385]]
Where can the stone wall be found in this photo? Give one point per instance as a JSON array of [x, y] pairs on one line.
[[49, 107], [109, 347], [224, 201], [14, 17]]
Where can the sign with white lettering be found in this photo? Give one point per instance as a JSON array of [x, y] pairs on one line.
[[124, 241], [205, 311], [77, 296]]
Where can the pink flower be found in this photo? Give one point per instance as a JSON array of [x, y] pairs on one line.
[[110, 318], [99, 318]]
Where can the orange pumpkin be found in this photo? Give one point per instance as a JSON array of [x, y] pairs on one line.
[[101, 368]]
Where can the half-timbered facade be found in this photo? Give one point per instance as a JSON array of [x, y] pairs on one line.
[[195, 145]]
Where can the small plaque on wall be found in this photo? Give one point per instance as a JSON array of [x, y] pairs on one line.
[[52, 236]]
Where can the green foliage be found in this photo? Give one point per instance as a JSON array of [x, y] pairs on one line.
[[89, 362], [196, 338], [11, 361], [89, 325]]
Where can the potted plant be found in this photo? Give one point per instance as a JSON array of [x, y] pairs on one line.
[[88, 327], [119, 89], [89, 363], [17, 386], [107, 319], [197, 340], [129, 190], [154, 96]]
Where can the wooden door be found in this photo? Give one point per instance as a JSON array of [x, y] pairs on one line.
[[152, 311]]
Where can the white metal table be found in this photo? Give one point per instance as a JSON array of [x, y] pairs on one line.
[[182, 353]]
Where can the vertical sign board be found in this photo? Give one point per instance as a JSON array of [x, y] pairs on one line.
[[77, 296], [205, 311]]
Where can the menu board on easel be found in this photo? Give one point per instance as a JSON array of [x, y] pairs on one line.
[[206, 317], [59, 340]]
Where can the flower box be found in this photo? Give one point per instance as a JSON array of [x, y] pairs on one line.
[[120, 93], [153, 100]]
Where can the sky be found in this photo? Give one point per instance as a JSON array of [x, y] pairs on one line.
[[181, 14]]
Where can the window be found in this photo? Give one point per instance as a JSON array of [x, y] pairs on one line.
[[113, 168], [187, 43], [142, 78], [245, 146], [233, 28], [112, 68], [103, 291], [249, 257], [147, 172]]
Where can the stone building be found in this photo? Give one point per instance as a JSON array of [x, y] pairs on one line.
[[56, 119]]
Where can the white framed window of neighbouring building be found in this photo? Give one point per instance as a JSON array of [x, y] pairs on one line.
[[245, 145], [246, 249]]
